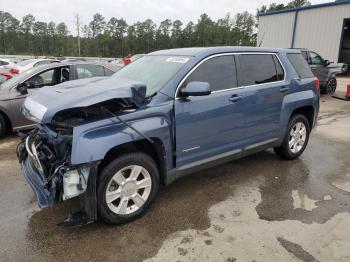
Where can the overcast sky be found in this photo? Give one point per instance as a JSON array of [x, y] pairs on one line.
[[131, 10]]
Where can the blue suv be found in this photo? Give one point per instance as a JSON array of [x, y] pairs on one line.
[[113, 141]]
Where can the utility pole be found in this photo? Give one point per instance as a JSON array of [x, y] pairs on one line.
[[77, 23]]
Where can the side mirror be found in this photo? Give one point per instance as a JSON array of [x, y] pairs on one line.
[[23, 88], [327, 62], [196, 89]]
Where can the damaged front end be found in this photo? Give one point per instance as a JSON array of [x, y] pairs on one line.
[[45, 153], [44, 156]]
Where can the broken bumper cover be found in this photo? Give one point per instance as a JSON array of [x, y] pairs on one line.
[[36, 180]]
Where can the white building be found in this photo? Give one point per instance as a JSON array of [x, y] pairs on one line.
[[324, 28]]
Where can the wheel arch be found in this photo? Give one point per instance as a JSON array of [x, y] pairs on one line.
[[7, 119], [308, 111], [156, 150]]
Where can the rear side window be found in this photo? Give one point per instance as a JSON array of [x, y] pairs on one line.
[[300, 65], [259, 69], [219, 72], [87, 71]]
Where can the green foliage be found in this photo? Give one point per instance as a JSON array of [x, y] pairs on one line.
[[115, 38], [276, 7]]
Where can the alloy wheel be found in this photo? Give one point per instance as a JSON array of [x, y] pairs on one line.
[[297, 137], [128, 190], [331, 86]]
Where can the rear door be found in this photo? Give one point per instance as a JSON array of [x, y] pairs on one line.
[[262, 75], [207, 126]]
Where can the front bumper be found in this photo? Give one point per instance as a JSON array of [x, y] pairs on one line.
[[37, 181], [34, 175]]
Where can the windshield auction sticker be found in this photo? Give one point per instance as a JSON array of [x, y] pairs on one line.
[[177, 59]]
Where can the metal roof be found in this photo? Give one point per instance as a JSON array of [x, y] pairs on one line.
[[305, 8]]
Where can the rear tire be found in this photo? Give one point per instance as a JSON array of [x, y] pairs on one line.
[[126, 187], [3, 126], [330, 87], [296, 138]]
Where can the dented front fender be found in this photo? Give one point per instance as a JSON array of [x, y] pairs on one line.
[[92, 141]]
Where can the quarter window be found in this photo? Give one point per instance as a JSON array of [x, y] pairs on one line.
[[219, 72], [300, 65], [259, 69]]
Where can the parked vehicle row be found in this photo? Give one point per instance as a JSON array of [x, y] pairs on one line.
[[14, 91], [113, 141]]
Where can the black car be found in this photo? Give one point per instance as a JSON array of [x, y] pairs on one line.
[[324, 70]]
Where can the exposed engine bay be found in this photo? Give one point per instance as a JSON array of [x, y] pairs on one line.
[[64, 120]]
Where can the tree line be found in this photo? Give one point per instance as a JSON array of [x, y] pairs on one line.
[[115, 38]]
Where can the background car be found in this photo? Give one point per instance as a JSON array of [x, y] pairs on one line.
[[27, 64], [324, 70], [14, 91], [6, 63]]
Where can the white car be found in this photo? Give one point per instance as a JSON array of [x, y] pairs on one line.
[[30, 63], [6, 63]]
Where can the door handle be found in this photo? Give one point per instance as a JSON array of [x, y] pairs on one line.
[[234, 98], [284, 89]]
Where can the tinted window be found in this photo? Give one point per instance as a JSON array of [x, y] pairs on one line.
[[315, 59], [300, 65], [257, 69], [219, 72], [3, 63], [86, 71]]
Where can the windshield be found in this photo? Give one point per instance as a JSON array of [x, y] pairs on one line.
[[154, 71]]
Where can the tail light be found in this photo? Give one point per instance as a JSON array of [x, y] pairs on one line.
[[14, 70], [7, 75], [317, 84]]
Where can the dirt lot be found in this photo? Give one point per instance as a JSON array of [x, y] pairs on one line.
[[259, 208]]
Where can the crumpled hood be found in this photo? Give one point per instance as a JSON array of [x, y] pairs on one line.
[[46, 102]]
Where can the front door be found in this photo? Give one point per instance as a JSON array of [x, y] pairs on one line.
[[318, 67], [211, 125], [49, 77]]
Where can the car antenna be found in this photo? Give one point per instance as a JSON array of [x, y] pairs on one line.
[[262, 38], [125, 123]]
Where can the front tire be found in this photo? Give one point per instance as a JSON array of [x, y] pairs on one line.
[[126, 187], [296, 138]]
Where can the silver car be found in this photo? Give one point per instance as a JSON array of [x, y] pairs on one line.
[[14, 91]]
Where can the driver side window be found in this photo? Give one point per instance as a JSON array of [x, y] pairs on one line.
[[43, 79], [315, 59]]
